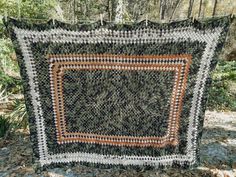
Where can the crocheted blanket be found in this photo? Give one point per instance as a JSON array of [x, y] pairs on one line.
[[117, 94]]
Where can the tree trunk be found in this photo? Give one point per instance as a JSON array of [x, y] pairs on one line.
[[200, 9], [113, 6], [109, 9], [169, 8], [59, 12], [190, 8], [203, 9], [162, 9], [174, 9], [214, 8], [74, 15]]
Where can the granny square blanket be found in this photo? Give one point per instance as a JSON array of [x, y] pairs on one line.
[[117, 94]]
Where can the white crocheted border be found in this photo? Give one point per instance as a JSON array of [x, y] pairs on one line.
[[25, 37]]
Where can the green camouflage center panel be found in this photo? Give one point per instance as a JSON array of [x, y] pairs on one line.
[[117, 94]]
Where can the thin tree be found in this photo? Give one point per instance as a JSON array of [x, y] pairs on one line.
[[74, 15], [108, 10], [170, 5], [175, 6], [190, 8], [113, 13], [214, 8], [200, 9], [162, 9], [203, 8]]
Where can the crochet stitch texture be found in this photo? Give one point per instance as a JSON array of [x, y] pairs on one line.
[[117, 94]]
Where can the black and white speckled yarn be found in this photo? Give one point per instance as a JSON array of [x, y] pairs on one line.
[[129, 96]]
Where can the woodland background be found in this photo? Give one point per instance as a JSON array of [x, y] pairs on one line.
[[13, 116]]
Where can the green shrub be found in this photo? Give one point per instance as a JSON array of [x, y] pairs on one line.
[[221, 97], [4, 126], [18, 117]]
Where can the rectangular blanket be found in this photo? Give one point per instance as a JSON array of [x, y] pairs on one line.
[[115, 93]]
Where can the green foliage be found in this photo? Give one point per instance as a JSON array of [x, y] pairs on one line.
[[7, 57], [222, 94], [4, 126], [226, 71], [41, 9], [9, 84], [9, 70], [18, 117]]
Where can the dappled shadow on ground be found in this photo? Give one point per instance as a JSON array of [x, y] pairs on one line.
[[218, 148]]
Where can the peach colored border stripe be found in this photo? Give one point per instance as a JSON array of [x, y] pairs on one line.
[[131, 65], [95, 64]]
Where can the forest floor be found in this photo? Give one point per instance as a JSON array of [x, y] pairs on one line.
[[218, 155]]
